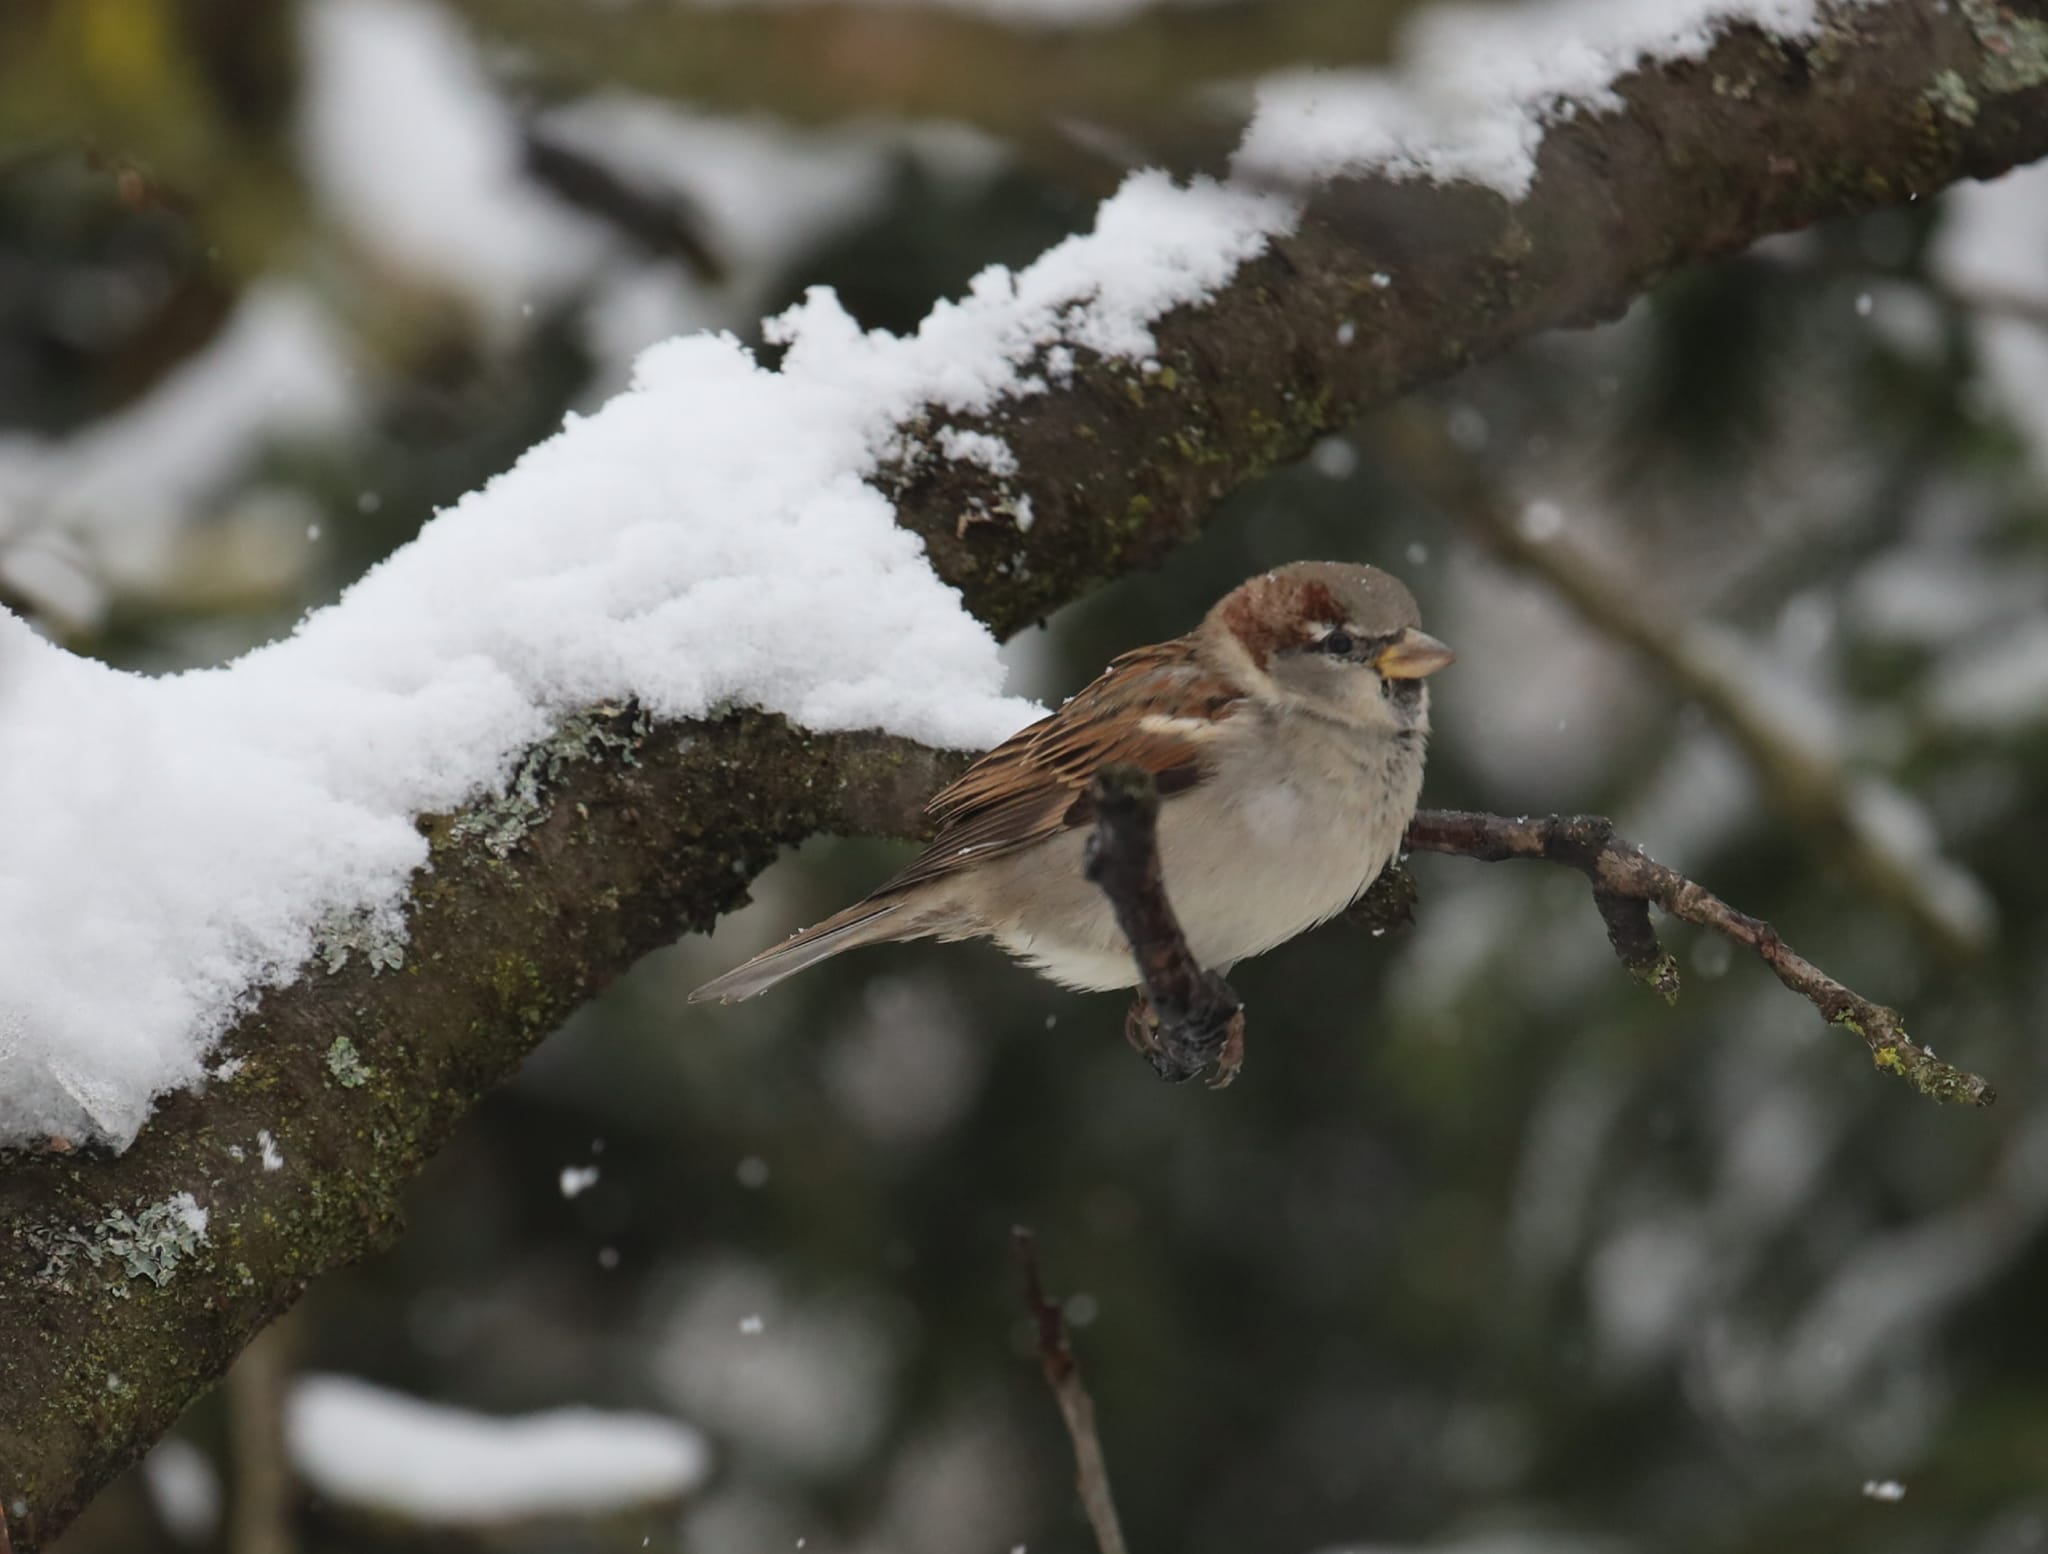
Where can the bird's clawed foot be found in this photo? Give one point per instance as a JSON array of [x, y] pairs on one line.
[[1212, 1034]]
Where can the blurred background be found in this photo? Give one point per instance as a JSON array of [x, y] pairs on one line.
[[1488, 1251]]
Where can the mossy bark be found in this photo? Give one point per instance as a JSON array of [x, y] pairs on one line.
[[115, 1311], [1388, 286]]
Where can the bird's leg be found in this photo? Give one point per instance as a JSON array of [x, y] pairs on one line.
[[1231, 1057], [1141, 1027], [1186, 1017]]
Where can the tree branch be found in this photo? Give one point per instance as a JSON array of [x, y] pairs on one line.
[[1077, 1408], [1627, 882], [822, 60], [1187, 1017], [1705, 157], [623, 832]]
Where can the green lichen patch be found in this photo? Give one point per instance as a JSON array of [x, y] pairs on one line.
[[2016, 46], [379, 937], [1660, 976], [501, 823], [1951, 97], [149, 1244], [1892, 1053], [346, 1064]]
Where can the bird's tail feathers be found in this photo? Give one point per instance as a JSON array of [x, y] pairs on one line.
[[865, 922]]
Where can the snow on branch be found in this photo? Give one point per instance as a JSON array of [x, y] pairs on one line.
[[708, 539], [347, 882], [715, 536], [429, 1465]]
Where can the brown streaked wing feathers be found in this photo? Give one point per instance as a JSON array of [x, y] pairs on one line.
[[1035, 784]]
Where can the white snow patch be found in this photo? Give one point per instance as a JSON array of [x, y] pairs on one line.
[[187, 1208], [1995, 685], [577, 1180], [1994, 240], [1478, 86], [184, 1488], [367, 1447], [704, 539], [406, 143], [1932, 597], [96, 510], [983, 448]]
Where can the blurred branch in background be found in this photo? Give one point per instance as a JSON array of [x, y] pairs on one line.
[[1139, 72], [1626, 881], [664, 222], [1838, 814], [2022, 306], [1077, 1408], [260, 1507]]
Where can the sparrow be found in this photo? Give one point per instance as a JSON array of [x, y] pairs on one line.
[[1285, 735]]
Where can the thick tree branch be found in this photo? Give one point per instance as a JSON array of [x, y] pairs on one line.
[[116, 1309], [1392, 285], [623, 832]]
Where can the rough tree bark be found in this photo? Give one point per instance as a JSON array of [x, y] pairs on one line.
[[623, 833]]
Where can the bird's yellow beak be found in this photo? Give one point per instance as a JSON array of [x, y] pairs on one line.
[[1412, 655]]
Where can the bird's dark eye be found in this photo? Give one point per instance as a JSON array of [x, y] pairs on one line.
[[1338, 642]]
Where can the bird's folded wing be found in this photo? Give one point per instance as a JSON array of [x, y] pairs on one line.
[[1156, 708]]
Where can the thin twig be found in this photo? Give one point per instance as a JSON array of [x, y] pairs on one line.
[[665, 222], [1798, 778], [1194, 1018], [2024, 307], [1626, 881], [6, 1542], [1187, 1017], [1063, 1375]]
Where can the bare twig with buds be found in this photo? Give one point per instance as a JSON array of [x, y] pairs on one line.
[[1186, 1017], [1626, 882], [1077, 1408]]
